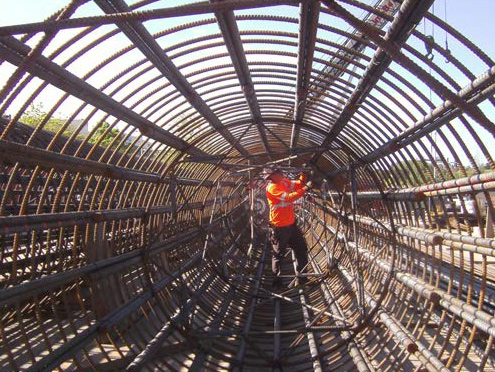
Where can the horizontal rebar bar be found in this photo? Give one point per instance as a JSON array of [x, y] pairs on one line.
[[13, 224], [34, 287], [390, 195], [390, 322], [14, 51], [482, 320], [145, 15], [428, 236], [410, 343]]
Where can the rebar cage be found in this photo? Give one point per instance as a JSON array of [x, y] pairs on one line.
[[133, 219]]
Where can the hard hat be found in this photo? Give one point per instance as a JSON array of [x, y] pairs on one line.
[[267, 172]]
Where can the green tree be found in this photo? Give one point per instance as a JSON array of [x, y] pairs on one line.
[[36, 114], [33, 115], [105, 135], [411, 171]]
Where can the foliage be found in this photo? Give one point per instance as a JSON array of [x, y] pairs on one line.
[[35, 114], [418, 172], [106, 135]]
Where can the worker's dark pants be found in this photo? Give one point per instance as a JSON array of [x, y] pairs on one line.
[[291, 236]]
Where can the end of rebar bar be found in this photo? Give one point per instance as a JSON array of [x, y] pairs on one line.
[[411, 347], [437, 239], [435, 298]]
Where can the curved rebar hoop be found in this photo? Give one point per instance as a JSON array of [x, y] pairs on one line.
[[132, 136]]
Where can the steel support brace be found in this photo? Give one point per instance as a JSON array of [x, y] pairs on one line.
[[145, 15], [308, 27], [230, 32], [241, 350], [145, 42], [154, 346], [409, 15]]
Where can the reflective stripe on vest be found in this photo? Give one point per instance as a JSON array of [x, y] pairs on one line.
[[292, 186], [273, 207], [282, 201]]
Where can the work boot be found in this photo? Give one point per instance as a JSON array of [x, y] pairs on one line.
[[277, 283]]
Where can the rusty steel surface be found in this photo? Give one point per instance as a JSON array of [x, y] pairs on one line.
[[133, 219]]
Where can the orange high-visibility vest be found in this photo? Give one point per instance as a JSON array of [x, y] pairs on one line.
[[280, 198]]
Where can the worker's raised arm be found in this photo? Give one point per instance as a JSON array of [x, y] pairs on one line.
[[293, 196], [279, 194], [298, 183]]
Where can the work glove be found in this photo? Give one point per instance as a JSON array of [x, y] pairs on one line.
[[303, 177], [309, 184]]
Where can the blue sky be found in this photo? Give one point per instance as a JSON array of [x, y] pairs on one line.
[[474, 19]]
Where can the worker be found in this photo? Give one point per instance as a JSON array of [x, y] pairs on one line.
[[281, 193]]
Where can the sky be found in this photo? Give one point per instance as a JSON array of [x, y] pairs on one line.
[[473, 18]]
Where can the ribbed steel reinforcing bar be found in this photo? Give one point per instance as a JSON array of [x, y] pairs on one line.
[[133, 214]]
